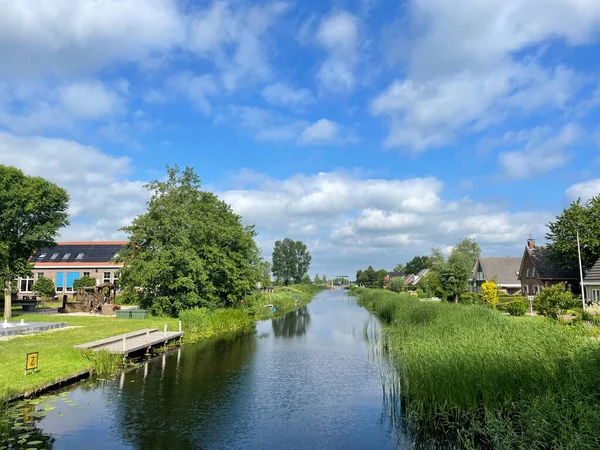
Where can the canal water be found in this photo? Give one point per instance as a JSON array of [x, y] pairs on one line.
[[307, 380]]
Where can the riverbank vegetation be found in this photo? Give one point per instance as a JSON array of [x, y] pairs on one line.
[[470, 377]]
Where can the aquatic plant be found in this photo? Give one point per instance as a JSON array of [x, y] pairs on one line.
[[470, 377]]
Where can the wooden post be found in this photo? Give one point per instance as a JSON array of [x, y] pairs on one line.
[[180, 326], [124, 346], [165, 331], [147, 335]]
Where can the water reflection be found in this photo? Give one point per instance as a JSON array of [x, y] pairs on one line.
[[292, 324], [19, 425]]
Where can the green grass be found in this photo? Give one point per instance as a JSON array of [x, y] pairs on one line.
[[58, 359], [470, 377]]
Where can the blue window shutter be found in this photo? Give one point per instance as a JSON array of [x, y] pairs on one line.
[[71, 276], [60, 279]]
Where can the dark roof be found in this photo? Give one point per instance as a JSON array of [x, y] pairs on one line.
[[395, 274], [504, 270], [92, 252], [548, 267], [594, 273]]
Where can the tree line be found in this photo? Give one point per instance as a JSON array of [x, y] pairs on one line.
[[188, 249]]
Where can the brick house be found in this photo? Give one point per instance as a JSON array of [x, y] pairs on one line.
[[390, 276], [69, 261], [503, 271], [539, 268]]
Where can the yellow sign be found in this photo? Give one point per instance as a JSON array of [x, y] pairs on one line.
[[32, 361]]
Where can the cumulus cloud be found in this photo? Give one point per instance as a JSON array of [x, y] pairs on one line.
[[584, 190], [338, 35], [195, 88], [89, 99], [103, 199], [358, 219], [321, 132], [280, 94], [541, 153], [463, 71]]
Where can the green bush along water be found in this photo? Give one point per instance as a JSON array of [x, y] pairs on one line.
[[471, 377]]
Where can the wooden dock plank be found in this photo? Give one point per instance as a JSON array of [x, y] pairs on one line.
[[135, 341], [119, 337]]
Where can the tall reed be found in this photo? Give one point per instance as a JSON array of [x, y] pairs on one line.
[[470, 377]]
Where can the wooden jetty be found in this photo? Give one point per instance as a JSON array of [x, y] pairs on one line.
[[127, 343]]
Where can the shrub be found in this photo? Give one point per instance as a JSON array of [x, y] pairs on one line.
[[489, 292], [84, 282], [516, 308], [470, 297], [397, 284], [44, 287], [554, 300]]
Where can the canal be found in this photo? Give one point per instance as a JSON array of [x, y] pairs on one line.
[[307, 380]]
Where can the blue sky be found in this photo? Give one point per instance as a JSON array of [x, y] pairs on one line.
[[372, 130]]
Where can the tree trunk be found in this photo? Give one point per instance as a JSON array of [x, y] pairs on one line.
[[7, 297]]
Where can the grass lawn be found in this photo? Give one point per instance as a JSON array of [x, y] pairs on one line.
[[57, 357]]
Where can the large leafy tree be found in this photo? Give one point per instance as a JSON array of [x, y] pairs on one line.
[[470, 248], [264, 273], [32, 211], [291, 260], [415, 265], [436, 258], [454, 274], [582, 217], [399, 268], [188, 250]]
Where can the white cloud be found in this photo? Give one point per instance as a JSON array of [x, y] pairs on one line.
[[66, 37], [234, 38], [321, 132], [464, 72], [338, 35], [540, 154], [195, 88], [362, 221], [102, 198], [584, 190], [282, 95], [89, 100]]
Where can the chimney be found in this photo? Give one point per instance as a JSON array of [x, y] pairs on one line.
[[531, 243]]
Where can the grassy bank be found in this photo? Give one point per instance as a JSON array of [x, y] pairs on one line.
[[472, 378], [58, 359]]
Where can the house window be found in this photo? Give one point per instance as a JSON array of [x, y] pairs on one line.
[[79, 255], [54, 256], [26, 284], [527, 273], [525, 290], [40, 275], [106, 278], [66, 256], [595, 295], [533, 273], [43, 255], [86, 274], [60, 281], [71, 277]]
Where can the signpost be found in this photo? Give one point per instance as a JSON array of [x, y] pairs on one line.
[[31, 362]]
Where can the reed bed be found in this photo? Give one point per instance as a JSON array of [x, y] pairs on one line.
[[470, 377]]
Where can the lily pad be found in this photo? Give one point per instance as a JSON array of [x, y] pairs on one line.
[[59, 415], [35, 442]]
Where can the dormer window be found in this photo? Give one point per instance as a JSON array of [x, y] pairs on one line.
[[54, 256], [66, 256], [79, 255]]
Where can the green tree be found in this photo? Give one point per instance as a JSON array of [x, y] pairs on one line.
[[454, 274], [582, 217], [415, 265], [291, 260], [84, 282], [397, 284], [189, 249], [380, 275], [317, 279], [368, 277], [32, 211], [470, 248], [306, 279], [44, 287], [554, 300], [264, 273], [399, 268], [436, 258], [430, 284]]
